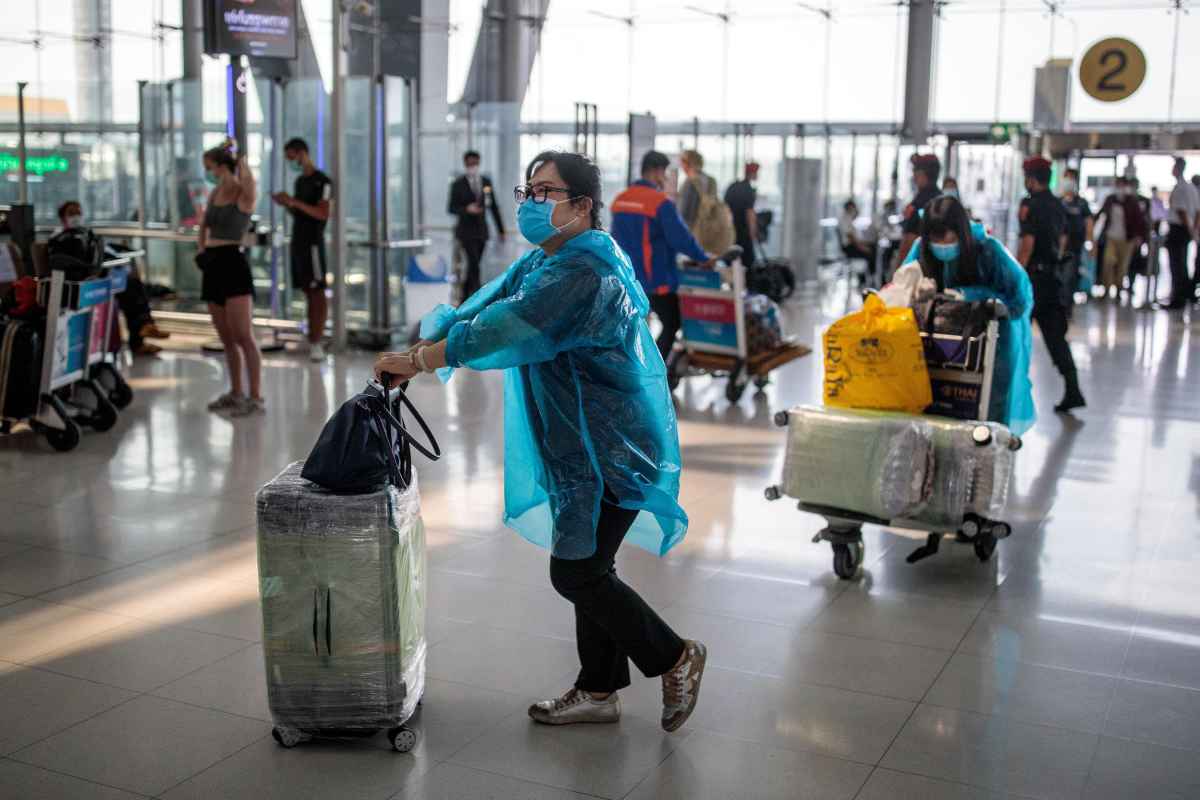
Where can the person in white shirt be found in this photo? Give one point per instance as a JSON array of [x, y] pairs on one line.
[[854, 246], [1185, 207]]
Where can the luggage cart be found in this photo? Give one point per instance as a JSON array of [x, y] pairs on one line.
[[960, 370], [103, 365], [79, 318], [714, 331]]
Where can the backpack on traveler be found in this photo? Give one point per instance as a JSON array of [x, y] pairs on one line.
[[713, 227]]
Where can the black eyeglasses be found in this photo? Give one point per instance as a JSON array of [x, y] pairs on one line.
[[537, 194]]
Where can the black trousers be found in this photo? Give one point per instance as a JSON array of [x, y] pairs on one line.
[[612, 622], [666, 308], [1182, 287], [134, 303], [1052, 320], [473, 251]]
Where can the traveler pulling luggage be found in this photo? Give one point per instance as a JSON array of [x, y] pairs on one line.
[[945, 474], [342, 575]]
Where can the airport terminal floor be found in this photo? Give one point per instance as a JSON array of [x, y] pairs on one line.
[[1068, 666]]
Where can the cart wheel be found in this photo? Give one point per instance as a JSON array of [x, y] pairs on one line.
[[985, 545], [761, 382], [735, 387], [65, 438], [121, 395], [403, 739], [289, 737], [847, 560], [1014, 443], [105, 415]]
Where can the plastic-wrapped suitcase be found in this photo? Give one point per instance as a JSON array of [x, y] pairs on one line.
[[941, 475], [872, 462], [20, 369], [972, 465], [343, 595]]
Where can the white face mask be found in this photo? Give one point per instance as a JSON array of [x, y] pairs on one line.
[[1068, 186], [75, 221], [473, 171]]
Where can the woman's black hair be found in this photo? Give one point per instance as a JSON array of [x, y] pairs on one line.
[[222, 157], [942, 214], [579, 173]]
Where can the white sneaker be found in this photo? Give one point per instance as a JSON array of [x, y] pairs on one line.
[[576, 706], [225, 402], [316, 352], [247, 406]]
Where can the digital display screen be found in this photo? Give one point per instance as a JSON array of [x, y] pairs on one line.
[[261, 28]]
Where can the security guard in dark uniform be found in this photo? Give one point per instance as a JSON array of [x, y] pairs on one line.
[[1043, 239], [925, 170]]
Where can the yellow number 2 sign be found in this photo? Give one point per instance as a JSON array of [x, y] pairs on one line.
[[1112, 69]]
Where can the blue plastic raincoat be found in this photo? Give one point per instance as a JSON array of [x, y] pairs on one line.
[[1006, 280], [585, 394]]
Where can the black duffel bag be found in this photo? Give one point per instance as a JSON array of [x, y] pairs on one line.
[[365, 444]]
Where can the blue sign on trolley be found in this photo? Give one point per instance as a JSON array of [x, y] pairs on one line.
[[93, 293]]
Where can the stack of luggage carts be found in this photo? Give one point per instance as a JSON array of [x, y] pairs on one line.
[[945, 472], [342, 576]]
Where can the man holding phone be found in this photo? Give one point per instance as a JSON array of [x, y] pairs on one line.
[[310, 208]]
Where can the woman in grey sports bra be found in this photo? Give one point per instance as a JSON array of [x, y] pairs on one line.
[[227, 285]]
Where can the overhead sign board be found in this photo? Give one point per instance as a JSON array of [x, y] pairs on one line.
[[1112, 69], [260, 28]]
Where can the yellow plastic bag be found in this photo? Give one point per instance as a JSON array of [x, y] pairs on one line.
[[874, 359]]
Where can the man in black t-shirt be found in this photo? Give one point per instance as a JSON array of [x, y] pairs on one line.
[[925, 171], [1044, 236], [741, 197], [310, 207]]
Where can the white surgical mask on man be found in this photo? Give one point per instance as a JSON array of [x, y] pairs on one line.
[[75, 221]]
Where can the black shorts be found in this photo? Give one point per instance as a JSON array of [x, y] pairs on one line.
[[308, 265], [226, 274]]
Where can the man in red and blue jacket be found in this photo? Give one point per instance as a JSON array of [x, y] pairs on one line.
[[649, 229]]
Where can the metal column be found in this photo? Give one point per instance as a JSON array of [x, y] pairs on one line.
[[141, 154], [22, 170], [918, 74], [341, 37]]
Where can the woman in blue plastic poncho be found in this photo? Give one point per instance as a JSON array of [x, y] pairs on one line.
[[960, 255], [591, 442]]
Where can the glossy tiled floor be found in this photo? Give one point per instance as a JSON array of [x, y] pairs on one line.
[[1068, 667]]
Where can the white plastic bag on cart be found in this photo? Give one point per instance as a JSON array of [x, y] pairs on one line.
[[907, 287]]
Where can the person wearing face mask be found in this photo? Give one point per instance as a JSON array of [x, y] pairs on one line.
[[227, 285], [590, 436], [134, 302], [925, 171], [309, 205], [1124, 231], [471, 198], [958, 254], [1043, 238], [950, 188], [648, 227], [1079, 216]]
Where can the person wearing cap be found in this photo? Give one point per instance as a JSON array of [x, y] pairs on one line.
[[741, 197], [1044, 236], [925, 171]]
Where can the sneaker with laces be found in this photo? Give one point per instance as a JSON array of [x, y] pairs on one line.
[[681, 686], [225, 402], [574, 706], [316, 352], [247, 406]]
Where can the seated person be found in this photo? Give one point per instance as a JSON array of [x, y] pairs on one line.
[[134, 301], [961, 256], [854, 245]]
